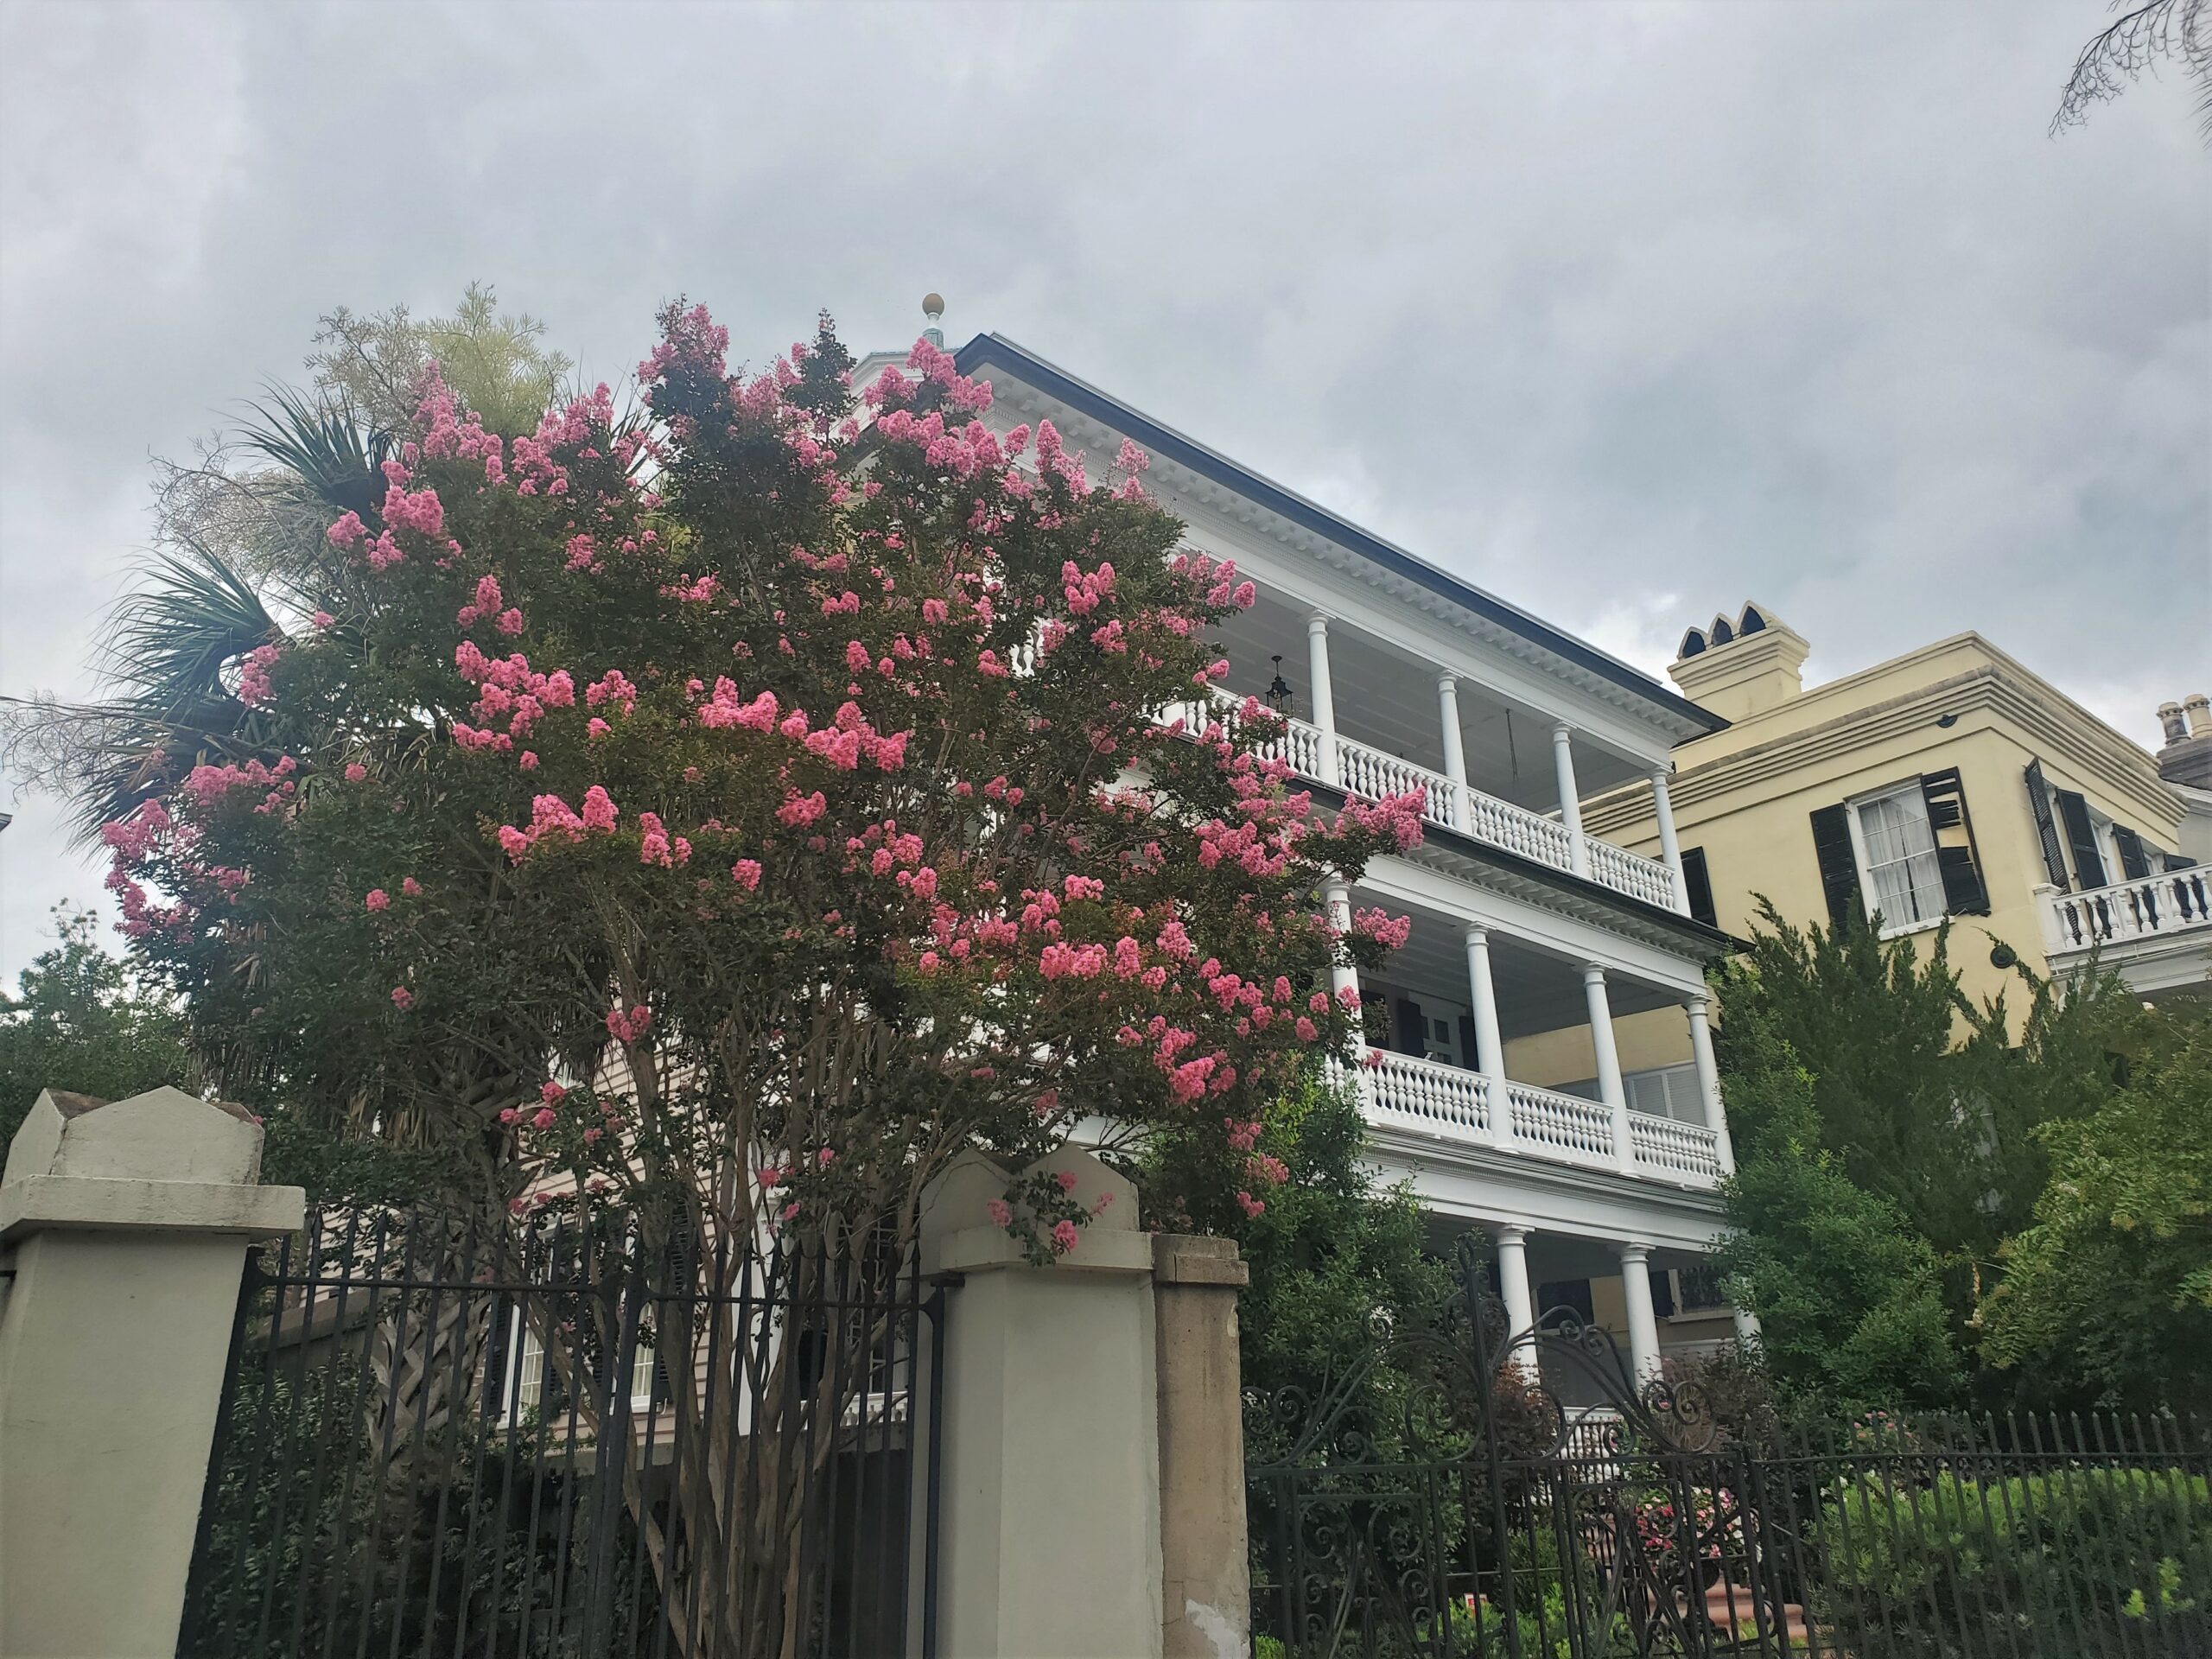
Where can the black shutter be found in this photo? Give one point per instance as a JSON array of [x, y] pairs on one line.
[[2088, 862], [1838, 864], [2178, 862], [1408, 1035], [1469, 1056], [1663, 1293], [2133, 865], [1697, 886], [2054, 857], [493, 1399], [1964, 893]]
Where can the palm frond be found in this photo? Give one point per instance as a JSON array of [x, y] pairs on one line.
[[337, 459], [166, 648]]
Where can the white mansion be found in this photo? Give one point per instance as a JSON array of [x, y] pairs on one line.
[[1501, 1096]]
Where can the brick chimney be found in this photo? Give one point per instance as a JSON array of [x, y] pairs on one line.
[[1741, 665]]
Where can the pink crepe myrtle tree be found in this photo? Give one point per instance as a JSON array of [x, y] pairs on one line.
[[738, 811]]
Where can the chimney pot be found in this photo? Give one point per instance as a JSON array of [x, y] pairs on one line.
[[1742, 667], [2199, 708]]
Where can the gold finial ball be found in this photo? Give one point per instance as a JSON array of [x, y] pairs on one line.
[[932, 306]]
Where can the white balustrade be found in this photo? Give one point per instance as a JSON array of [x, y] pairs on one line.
[[2173, 901], [1454, 1103], [1428, 1094], [1516, 829], [1370, 773], [1631, 873], [1686, 1152], [1564, 1127]]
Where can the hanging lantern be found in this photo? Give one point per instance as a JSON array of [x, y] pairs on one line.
[[1278, 696]]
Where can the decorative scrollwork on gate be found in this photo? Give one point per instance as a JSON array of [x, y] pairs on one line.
[[1442, 1477]]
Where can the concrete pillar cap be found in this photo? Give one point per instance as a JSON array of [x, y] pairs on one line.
[[163, 1134]]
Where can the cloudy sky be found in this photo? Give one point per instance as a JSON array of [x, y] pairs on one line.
[[1627, 312]]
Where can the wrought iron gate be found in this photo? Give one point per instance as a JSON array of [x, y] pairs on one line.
[[438, 1439], [1437, 1500]]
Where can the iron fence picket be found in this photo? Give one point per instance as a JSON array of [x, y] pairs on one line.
[[534, 1487]]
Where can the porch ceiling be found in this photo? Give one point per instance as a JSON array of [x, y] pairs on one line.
[[1535, 991], [1386, 696]]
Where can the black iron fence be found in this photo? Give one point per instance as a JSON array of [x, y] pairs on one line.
[[1438, 1501], [440, 1439]]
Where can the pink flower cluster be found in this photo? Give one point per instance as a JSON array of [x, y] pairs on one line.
[[629, 1026], [1383, 928], [1397, 817], [656, 846], [448, 432], [552, 817], [254, 688], [508, 689], [488, 603]]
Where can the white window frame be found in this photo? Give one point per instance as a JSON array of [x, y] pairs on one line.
[[1892, 926], [1676, 1085], [522, 1389], [1682, 1310]]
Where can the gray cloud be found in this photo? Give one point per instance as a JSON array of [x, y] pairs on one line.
[[1626, 312]]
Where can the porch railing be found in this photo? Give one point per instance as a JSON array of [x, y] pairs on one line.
[[1363, 770], [1453, 1103], [2161, 906]]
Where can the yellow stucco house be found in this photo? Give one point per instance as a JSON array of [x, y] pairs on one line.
[[1948, 782]]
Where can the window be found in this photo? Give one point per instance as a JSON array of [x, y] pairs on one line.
[[1698, 1290], [529, 1384], [1903, 876], [1669, 1091], [1442, 1042]]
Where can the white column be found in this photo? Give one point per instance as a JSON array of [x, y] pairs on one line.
[[1324, 699], [1336, 901], [1670, 846], [1570, 799], [1747, 1326], [1490, 1045], [1513, 1290], [1335, 904], [1455, 750], [1642, 1318], [1709, 1084], [1611, 1089]]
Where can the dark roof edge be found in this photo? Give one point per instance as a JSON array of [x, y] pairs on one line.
[[1209, 463]]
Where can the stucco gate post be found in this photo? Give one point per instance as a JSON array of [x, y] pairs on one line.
[[125, 1227], [1090, 1416]]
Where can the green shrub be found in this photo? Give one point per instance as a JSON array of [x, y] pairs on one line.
[[2095, 1560]]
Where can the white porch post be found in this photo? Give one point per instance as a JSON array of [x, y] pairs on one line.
[[1324, 699], [1611, 1089], [1642, 1318], [1336, 901], [1709, 1084], [1336, 898], [1747, 1325], [1513, 1289], [1455, 750], [1490, 1045], [1670, 846], [1570, 799]]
